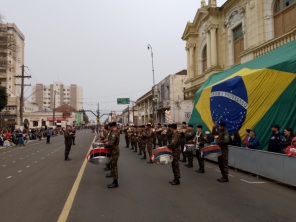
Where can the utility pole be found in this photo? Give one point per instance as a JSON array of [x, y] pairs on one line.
[[22, 92], [53, 110], [128, 115]]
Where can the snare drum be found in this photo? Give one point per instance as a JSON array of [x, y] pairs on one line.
[[97, 145], [99, 156], [189, 147], [162, 155], [211, 151]]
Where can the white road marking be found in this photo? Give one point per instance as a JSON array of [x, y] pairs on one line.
[[27, 166], [36, 162], [21, 158], [9, 177], [19, 171], [13, 161], [252, 182], [3, 165], [42, 158]]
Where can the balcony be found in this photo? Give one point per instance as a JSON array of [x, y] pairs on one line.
[[271, 44]]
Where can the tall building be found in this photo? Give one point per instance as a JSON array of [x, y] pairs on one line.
[[12, 44], [57, 94]]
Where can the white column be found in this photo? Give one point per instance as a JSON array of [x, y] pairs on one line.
[[209, 50], [188, 63], [191, 56], [213, 47]]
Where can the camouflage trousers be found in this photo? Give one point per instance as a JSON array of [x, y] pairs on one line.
[[159, 141], [149, 150], [141, 147], [200, 159], [114, 168], [175, 164], [223, 162], [134, 144], [184, 154], [189, 156], [67, 150]]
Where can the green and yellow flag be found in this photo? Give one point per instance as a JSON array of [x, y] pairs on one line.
[[254, 95]]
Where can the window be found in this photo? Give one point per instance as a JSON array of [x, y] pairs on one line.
[[238, 43], [284, 16], [44, 103], [204, 59]]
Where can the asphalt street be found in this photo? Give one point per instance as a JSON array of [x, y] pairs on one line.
[[36, 183]]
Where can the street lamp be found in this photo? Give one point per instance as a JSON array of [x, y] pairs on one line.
[[149, 47]]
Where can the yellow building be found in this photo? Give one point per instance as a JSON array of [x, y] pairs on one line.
[[238, 31]]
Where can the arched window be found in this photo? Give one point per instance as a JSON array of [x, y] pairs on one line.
[[284, 16], [204, 59]]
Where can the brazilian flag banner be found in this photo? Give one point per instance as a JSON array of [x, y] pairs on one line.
[[254, 95]]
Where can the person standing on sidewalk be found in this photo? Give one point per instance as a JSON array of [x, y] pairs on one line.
[[68, 141], [48, 134]]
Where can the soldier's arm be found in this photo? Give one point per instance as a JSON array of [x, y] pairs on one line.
[[203, 138], [173, 145]]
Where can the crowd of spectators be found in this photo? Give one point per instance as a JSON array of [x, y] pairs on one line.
[[18, 137]]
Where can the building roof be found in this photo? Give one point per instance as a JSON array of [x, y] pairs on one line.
[[65, 108]]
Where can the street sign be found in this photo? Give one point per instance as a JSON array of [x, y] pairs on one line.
[[123, 101]]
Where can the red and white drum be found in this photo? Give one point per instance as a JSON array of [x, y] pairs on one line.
[[99, 155], [189, 147], [211, 151], [162, 155]]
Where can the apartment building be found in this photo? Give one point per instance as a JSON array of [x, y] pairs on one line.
[[54, 95], [12, 42]]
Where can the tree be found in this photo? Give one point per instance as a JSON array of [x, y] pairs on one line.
[[3, 98], [85, 117]]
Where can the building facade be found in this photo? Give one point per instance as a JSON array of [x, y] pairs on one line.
[[169, 97], [56, 94], [239, 31], [12, 42]]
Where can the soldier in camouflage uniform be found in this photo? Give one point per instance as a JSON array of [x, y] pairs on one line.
[[135, 139], [164, 135], [175, 147], [126, 129], [113, 145], [131, 135], [104, 139], [169, 135], [200, 140], [182, 141], [222, 141], [68, 142], [189, 137], [140, 140], [149, 141], [158, 132]]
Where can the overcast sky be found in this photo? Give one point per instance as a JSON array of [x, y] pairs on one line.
[[101, 45]]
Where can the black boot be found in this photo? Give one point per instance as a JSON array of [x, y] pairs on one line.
[[143, 158], [223, 180], [135, 151], [175, 182], [114, 184], [200, 170], [189, 165], [107, 169]]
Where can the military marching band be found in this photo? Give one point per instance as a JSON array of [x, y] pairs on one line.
[[169, 142]]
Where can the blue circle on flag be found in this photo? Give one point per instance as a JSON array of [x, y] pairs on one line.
[[229, 103]]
